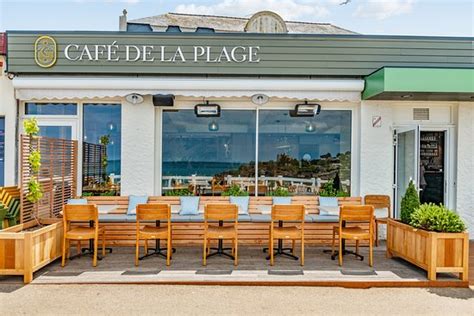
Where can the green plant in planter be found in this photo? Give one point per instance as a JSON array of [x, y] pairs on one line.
[[235, 190], [31, 127], [410, 202], [280, 191], [34, 191], [35, 160], [437, 218], [181, 192]]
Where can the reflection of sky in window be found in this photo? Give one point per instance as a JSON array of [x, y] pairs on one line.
[[100, 120]]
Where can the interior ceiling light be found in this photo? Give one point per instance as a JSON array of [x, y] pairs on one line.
[[306, 109], [213, 126], [134, 98], [207, 110]]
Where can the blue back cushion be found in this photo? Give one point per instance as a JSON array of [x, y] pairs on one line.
[[242, 202], [133, 201], [285, 200], [189, 205], [77, 201]]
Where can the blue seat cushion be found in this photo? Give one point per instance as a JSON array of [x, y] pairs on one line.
[[260, 218], [113, 218], [245, 218], [324, 218]]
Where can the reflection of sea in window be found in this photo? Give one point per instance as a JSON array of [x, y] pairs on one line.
[[199, 154], [101, 149], [302, 154], [298, 154]]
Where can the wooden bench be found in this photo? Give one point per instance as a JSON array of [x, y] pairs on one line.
[[120, 230]]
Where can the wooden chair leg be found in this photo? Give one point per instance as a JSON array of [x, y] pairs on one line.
[[168, 252], [302, 251], [376, 234], [146, 246], [236, 260], [103, 245], [68, 248], [137, 251], [94, 261], [78, 248], [293, 247], [371, 258], [63, 261], [340, 251], [270, 248], [333, 242], [204, 252], [357, 246]]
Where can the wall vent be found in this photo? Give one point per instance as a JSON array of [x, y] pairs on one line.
[[421, 114]]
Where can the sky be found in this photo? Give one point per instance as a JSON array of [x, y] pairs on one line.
[[400, 17]]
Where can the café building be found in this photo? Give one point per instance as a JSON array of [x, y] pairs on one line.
[[185, 103]]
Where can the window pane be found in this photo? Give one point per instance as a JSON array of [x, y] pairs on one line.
[[50, 108], [204, 155], [101, 149], [64, 132], [303, 153]]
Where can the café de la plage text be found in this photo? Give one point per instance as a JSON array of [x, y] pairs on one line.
[[167, 54]]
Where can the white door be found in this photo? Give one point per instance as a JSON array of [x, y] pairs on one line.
[[406, 143]]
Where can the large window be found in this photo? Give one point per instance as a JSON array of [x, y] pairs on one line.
[[101, 149], [301, 155], [202, 155]]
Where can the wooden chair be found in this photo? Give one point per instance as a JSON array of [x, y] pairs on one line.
[[157, 213], [81, 213], [379, 201], [220, 213], [281, 213], [354, 213], [217, 187]]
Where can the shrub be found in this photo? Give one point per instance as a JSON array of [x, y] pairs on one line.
[[34, 191], [410, 202], [280, 191], [328, 189], [31, 127], [437, 218], [181, 192], [235, 190]]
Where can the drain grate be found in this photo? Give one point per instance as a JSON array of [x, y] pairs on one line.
[[141, 272], [358, 272], [285, 272], [214, 272]]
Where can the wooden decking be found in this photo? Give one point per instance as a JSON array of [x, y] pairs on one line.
[[253, 269]]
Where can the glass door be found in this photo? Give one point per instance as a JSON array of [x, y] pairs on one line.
[[406, 143]]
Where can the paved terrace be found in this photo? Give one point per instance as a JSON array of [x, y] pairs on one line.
[[253, 268]]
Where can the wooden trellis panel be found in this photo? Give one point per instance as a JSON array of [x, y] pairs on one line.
[[93, 171], [57, 175]]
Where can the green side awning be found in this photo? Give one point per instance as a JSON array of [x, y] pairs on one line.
[[420, 84]]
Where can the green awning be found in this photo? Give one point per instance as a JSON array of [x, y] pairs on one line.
[[420, 84]]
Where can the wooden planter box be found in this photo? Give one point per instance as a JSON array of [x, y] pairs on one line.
[[431, 251], [24, 252]]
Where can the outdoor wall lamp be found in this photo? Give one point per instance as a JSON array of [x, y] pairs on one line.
[[134, 98], [207, 110], [306, 109]]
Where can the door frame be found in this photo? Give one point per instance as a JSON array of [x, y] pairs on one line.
[[449, 160]]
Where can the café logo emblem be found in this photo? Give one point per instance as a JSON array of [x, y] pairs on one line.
[[45, 51]]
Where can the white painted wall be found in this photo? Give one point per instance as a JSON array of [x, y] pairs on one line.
[[8, 110], [465, 165], [138, 142]]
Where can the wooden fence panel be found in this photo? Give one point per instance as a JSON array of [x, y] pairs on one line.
[[57, 175]]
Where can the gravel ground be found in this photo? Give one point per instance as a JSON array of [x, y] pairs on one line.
[[232, 300]]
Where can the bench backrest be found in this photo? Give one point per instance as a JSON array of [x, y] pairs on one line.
[[310, 202]]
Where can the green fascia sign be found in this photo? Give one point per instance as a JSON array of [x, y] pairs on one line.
[[419, 80]]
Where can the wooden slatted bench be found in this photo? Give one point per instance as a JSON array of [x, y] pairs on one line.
[[188, 230]]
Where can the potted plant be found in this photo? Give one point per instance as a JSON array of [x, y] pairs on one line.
[[280, 191], [31, 245], [429, 236]]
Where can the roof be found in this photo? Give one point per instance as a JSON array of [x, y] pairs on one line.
[[189, 23]]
